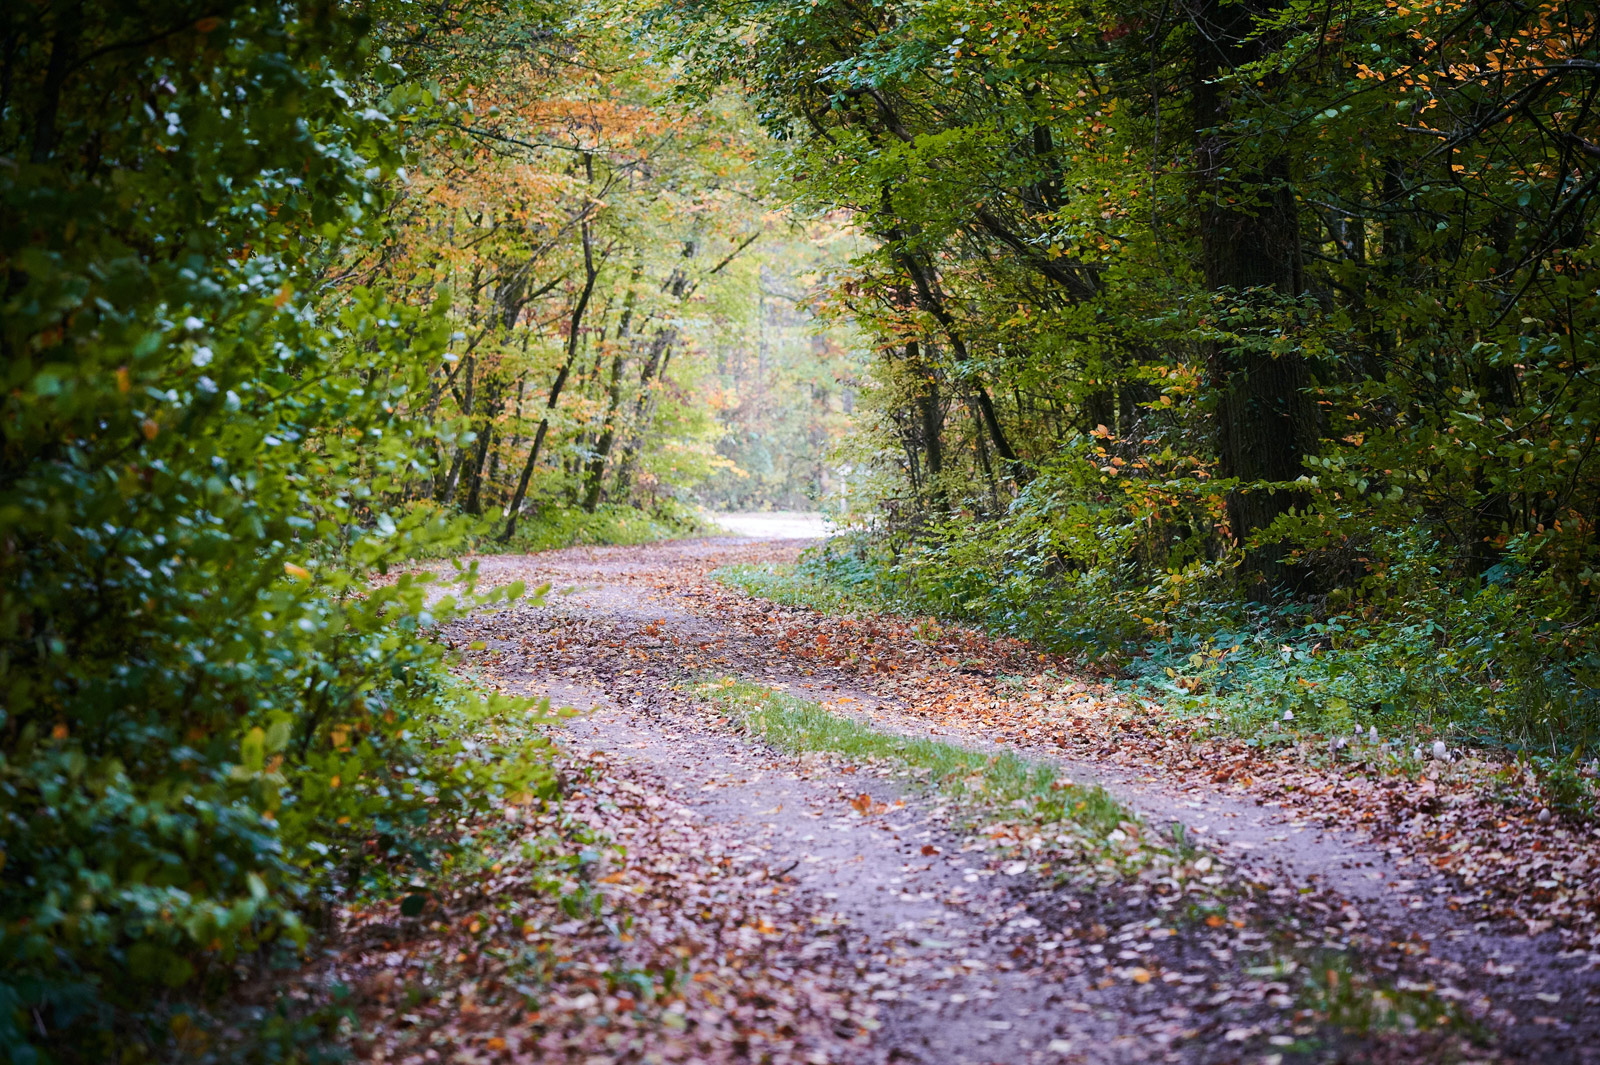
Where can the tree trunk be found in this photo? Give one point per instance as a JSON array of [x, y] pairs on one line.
[[574, 334], [644, 406], [474, 504], [594, 475], [1266, 421], [447, 490], [930, 420], [930, 298]]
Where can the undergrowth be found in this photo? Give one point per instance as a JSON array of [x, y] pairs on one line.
[[551, 528], [1446, 671]]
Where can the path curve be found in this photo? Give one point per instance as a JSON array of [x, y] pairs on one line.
[[644, 608]]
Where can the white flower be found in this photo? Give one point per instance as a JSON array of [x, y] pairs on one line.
[[201, 356]]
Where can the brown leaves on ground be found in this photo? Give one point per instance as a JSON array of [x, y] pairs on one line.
[[618, 927], [1471, 819]]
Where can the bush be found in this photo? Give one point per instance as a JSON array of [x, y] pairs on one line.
[[212, 723], [1414, 652]]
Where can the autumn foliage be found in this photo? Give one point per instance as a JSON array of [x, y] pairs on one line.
[[1216, 337]]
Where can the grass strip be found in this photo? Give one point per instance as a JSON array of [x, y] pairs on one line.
[[981, 783]]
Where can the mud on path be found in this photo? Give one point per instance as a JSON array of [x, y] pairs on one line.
[[943, 954]]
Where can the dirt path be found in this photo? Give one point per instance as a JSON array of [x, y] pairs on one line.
[[949, 958]]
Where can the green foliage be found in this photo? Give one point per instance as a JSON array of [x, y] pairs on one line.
[[1463, 668], [552, 527], [1251, 341], [821, 581], [213, 723]]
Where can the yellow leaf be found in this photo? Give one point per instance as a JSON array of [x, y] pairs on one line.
[[1140, 975], [297, 572]]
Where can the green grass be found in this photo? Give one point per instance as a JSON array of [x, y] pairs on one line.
[[553, 527], [781, 583], [557, 527], [982, 783]]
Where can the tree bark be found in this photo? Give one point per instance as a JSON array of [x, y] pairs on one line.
[[931, 299], [1266, 421], [644, 406], [447, 490], [594, 474]]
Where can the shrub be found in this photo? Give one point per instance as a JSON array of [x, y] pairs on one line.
[[211, 722]]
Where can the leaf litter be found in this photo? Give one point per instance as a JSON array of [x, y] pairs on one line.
[[1280, 968]]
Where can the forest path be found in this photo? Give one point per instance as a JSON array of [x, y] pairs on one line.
[[959, 961]]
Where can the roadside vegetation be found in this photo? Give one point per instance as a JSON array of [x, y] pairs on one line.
[[1251, 341], [1242, 683], [296, 297]]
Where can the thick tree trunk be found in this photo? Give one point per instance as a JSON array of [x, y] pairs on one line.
[[1266, 421]]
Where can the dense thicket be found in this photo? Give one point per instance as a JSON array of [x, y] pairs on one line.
[[1259, 331], [211, 723]]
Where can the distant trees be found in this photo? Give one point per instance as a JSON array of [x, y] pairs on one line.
[[569, 223]]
